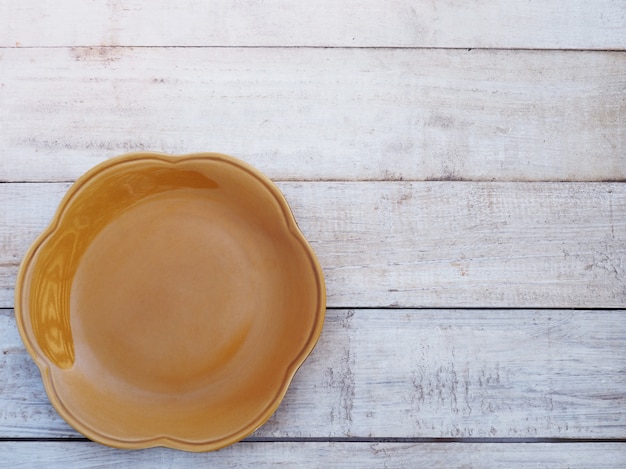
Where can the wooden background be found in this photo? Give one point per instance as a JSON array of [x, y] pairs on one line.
[[458, 167]]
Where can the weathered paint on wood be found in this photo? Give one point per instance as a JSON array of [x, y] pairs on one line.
[[415, 373], [556, 24], [319, 113], [434, 111], [423, 244], [320, 455]]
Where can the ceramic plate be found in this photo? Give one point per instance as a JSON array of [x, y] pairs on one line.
[[170, 301]]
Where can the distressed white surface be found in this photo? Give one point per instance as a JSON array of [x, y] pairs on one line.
[[415, 373], [22, 455], [552, 24], [426, 244], [319, 113], [396, 96]]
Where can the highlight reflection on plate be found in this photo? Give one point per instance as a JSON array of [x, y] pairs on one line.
[[170, 302]]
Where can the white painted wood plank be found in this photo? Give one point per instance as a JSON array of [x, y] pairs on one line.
[[319, 113], [555, 24], [426, 244], [467, 244], [415, 373], [321, 455]]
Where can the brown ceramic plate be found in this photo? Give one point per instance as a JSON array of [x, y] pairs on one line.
[[170, 301]]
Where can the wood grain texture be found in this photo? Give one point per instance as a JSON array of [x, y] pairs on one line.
[[555, 24], [362, 93], [320, 455], [415, 373], [346, 114], [423, 244]]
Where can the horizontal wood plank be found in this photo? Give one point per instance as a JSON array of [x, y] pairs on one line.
[[414, 373], [374, 114], [423, 244], [555, 24], [319, 455]]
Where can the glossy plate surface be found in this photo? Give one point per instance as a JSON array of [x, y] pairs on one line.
[[170, 301]]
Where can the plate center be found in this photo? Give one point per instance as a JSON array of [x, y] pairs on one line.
[[158, 298]]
